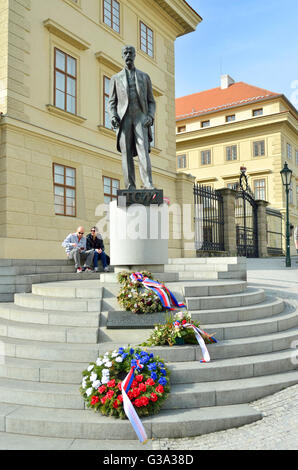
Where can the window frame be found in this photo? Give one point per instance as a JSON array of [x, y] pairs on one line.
[[210, 157], [112, 16], [179, 157], [104, 94], [66, 75], [65, 186], [253, 148], [181, 129], [289, 151], [205, 124], [231, 116], [140, 42], [258, 112], [260, 188], [110, 195], [231, 147]]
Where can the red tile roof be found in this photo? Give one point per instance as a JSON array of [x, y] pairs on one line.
[[216, 99]]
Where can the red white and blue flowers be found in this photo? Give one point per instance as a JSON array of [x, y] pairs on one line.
[[147, 390]]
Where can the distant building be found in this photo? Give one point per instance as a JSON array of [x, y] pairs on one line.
[[57, 150], [237, 124]]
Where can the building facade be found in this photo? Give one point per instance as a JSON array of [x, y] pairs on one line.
[[239, 125], [59, 162]]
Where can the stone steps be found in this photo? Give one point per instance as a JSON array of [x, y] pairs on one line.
[[85, 424], [45, 371], [251, 296], [57, 303], [182, 396]]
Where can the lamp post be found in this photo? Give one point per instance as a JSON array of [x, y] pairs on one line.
[[286, 176]]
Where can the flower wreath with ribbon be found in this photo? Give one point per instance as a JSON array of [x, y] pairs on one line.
[[142, 294], [126, 383]]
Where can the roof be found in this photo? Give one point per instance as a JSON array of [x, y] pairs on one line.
[[217, 99]]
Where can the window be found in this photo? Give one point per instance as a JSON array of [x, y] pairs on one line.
[[181, 161], [257, 112], [106, 91], [259, 148], [260, 189], [231, 152], [205, 123], [64, 190], [181, 129], [111, 14], [289, 151], [206, 157], [233, 185], [110, 187], [65, 82], [146, 39], [230, 118]]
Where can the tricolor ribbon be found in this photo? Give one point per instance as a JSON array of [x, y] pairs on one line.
[[128, 407], [198, 333], [166, 297]]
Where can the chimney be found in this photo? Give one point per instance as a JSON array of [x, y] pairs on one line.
[[226, 81]]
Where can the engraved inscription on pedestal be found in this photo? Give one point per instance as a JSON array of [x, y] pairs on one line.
[[128, 320], [146, 197]]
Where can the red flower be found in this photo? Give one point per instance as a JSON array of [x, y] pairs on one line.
[[120, 398], [115, 404], [120, 386], [103, 400], [130, 394], [102, 389], [111, 383], [159, 389], [138, 402], [145, 401], [142, 388], [150, 381], [110, 394], [183, 322], [135, 392], [153, 397], [139, 378], [94, 400], [134, 384]]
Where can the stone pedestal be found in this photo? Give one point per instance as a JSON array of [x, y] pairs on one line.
[[230, 243], [139, 237]]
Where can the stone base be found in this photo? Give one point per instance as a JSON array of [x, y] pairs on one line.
[[155, 268]]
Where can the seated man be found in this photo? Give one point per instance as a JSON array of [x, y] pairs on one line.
[[75, 247], [95, 243]]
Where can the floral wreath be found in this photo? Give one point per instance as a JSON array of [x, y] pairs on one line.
[[135, 298], [176, 330], [101, 384]]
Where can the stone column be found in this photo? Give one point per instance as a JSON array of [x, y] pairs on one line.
[[262, 228], [229, 198], [185, 201]]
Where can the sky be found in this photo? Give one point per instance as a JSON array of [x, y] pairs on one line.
[[253, 41]]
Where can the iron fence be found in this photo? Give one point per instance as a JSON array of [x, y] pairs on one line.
[[209, 219], [275, 236]]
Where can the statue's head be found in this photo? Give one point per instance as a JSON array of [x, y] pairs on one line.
[[128, 55]]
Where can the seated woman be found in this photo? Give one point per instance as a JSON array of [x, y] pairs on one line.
[[95, 242]]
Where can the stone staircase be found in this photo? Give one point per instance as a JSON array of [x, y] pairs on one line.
[[48, 337]]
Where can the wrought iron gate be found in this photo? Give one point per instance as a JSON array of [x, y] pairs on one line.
[[246, 219]]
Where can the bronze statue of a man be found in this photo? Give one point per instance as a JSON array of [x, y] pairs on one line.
[[132, 108]]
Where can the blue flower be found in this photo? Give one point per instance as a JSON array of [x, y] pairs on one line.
[[131, 351], [133, 363], [151, 356], [121, 350], [161, 364], [144, 360], [153, 376], [163, 371], [144, 353], [163, 381], [137, 356], [124, 355], [152, 366]]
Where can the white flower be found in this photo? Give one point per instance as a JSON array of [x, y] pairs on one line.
[[108, 364], [119, 359], [84, 384], [105, 379], [99, 362], [90, 367], [105, 372], [96, 384], [93, 376], [180, 315], [89, 391]]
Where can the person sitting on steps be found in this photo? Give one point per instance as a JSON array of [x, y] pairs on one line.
[[75, 247], [95, 243]]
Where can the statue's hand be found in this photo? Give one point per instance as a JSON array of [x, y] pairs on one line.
[[148, 122], [115, 121]]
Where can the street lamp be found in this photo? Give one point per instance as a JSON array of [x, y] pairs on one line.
[[286, 176]]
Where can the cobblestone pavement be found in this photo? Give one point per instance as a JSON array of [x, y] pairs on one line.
[[278, 430]]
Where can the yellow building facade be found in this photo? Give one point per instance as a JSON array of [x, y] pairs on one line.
[[241, 126], [58, 157]]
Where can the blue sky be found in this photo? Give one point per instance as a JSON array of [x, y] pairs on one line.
[[254, 41]]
